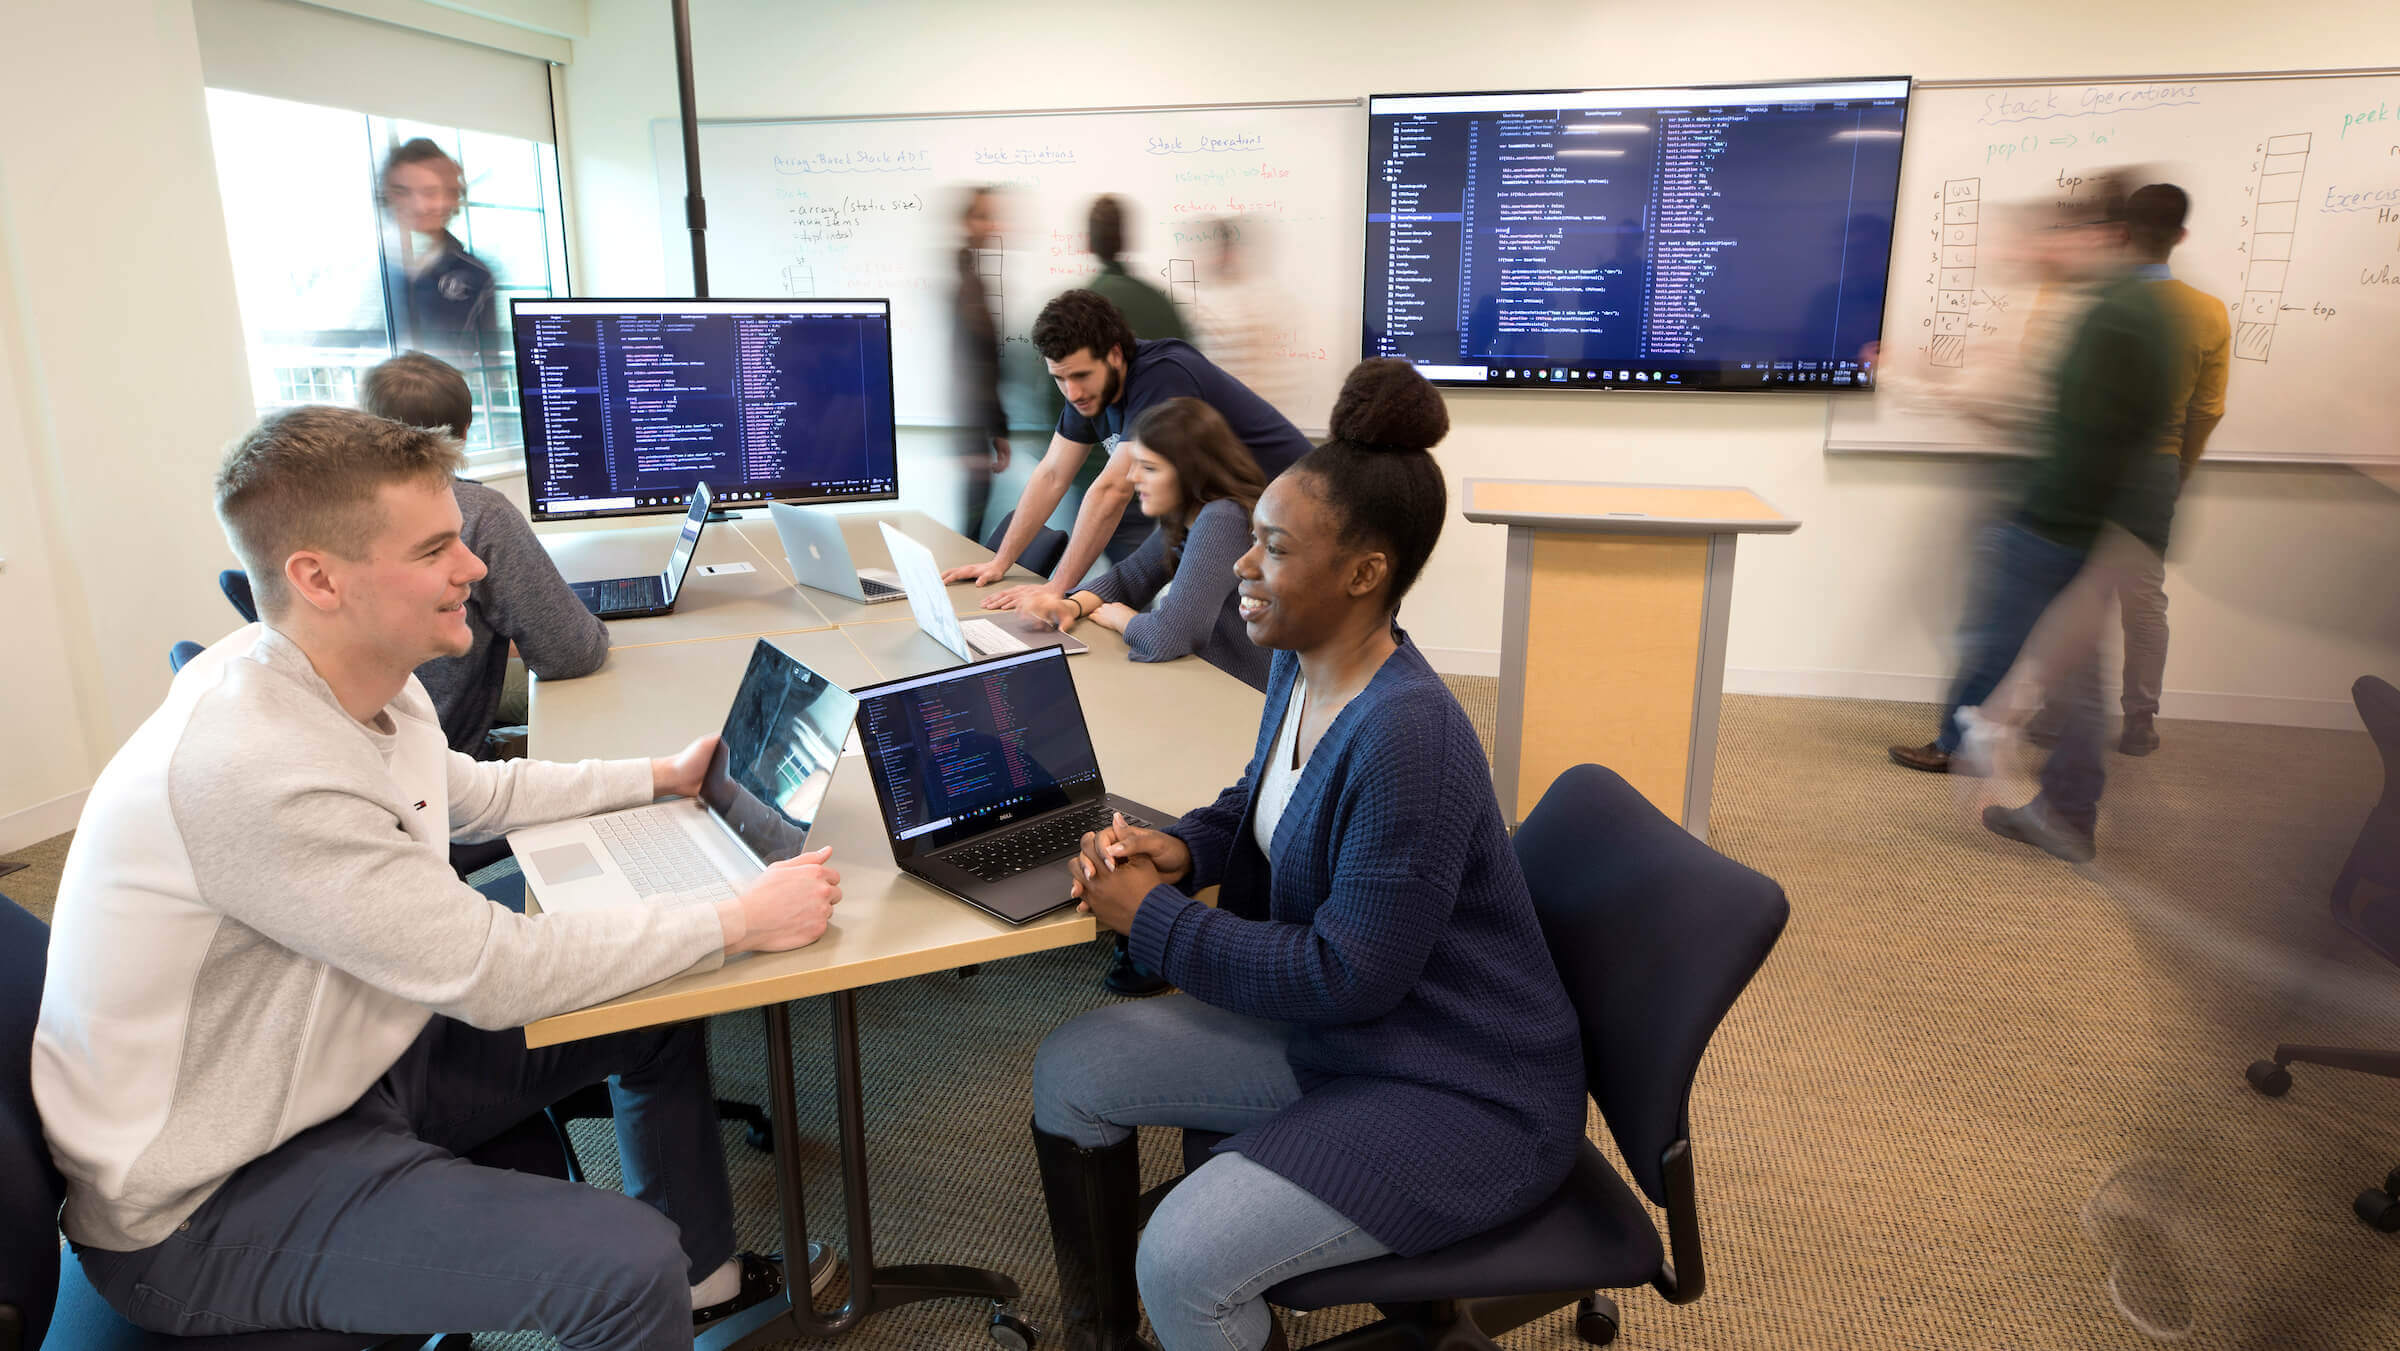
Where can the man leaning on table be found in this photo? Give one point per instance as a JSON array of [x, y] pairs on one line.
[[274, 1019]]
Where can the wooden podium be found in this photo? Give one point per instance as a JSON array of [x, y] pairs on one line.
[[1612, 637]]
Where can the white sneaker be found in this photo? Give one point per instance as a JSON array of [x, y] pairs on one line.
[[1979, 744]]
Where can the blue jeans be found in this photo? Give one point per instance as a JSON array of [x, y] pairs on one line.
[[2017, 574], [371, 1222], [1232, 1228]]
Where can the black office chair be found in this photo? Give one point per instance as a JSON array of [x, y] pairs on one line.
[[1040, 556], [235, 583], [2366, 902], [182, 652], [1655, 935]]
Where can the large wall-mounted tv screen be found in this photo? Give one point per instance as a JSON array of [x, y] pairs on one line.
[[1728, 237]]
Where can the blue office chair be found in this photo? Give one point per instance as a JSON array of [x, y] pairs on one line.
[[1040, 556], [235, 583], [2366, 904], [1655, 935], [182, 652], [45, 1298]]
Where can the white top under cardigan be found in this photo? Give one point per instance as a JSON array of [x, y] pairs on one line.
[[1279, 775]]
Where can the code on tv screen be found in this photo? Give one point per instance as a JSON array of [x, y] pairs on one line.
[[1728, 237], [629, 403]]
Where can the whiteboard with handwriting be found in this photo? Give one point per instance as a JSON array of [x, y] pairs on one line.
[[870, 207], [2295, 226]]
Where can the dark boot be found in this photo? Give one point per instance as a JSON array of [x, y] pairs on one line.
[[1094, 1197], [1129, 977], [2140, 736]]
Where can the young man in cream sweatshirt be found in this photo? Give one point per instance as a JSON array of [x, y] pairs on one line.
[[274, 1019]]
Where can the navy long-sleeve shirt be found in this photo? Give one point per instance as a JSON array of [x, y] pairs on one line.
[[1201, 614], [1440, 1067]]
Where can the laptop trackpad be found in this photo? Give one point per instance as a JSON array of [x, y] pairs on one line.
[[563, 864]]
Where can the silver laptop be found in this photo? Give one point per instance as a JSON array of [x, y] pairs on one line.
[[775, 759], [812, 543], [996, 634]]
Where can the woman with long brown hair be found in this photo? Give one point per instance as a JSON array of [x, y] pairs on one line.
[[1197, 481]]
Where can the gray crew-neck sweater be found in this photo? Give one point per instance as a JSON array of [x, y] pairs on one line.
[[258, 916]]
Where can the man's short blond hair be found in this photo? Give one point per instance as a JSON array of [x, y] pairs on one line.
[[307, 478]]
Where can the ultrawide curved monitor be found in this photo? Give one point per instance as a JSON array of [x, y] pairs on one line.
[[629, 403], [1727, 237]]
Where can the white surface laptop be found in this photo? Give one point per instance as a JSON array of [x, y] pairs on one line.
[[774, 761], [820, 559], [994, 635]]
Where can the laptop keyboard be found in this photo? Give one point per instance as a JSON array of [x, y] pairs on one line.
[[625, 593], [658, 858], [876, 590], [1034, 844], [990, 639]]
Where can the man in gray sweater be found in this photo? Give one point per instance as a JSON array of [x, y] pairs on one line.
[[274, 1020], [522, 601]]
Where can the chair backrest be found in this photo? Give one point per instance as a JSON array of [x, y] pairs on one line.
[[1041, 554], [235, 583], [2372, 912], [1655, 935], [30, 1187], [182, 652], [2379, 707], [1047, 548]]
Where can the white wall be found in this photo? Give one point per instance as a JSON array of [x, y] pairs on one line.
[[121, 368], [120, 350], [2282, 593], [120, 379]]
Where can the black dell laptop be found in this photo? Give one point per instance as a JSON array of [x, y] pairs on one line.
[[987, 780], [634, 597]]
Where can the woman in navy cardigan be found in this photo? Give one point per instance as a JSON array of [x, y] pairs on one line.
[[1369, 1011], [1198, 481]]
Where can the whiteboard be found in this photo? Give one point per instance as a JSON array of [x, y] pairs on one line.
[[868, 207], [2295, 225]]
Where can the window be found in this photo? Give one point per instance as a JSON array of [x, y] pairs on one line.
[[313, 249]]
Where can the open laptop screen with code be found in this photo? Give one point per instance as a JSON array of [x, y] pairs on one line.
[[961, 751]]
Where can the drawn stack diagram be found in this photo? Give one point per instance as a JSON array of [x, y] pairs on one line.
[[991, 266], [1962, 207], [2272, 224]]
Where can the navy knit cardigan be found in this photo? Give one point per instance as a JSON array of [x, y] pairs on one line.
[[1440, 1068]]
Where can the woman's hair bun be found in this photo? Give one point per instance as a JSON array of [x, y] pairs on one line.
[[1386, 405]]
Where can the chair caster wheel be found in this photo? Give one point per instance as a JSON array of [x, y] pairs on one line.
[[1596, 1319], [1010, 1332], [2391, 1182], [2269, 1078], [760, 1137], [2380, 1210]]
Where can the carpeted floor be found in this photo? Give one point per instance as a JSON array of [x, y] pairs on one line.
[[1969, 1078]]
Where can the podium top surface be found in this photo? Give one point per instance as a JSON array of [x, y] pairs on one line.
[[1623, 508]]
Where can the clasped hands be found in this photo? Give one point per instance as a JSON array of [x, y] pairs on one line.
[[1118, 866]]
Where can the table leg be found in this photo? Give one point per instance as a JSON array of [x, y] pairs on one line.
[[871, 1289]]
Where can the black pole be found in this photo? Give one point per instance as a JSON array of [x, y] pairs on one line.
[[695, 210]]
